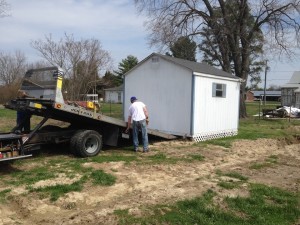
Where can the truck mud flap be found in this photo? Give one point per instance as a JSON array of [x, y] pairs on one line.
[[111, 135]]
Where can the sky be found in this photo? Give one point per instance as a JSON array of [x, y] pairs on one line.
[[115, 23]]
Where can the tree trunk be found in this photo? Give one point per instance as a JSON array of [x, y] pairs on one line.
[[243, 112]]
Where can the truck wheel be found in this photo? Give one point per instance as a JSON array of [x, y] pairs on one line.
[[89, 143], [73, 142]]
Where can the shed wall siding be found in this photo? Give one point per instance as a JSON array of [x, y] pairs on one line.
[[114, 96], [215, 116], [288, 97], [297, 103], [166, 90]]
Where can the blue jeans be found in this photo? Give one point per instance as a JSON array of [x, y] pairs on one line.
[[136, 125]]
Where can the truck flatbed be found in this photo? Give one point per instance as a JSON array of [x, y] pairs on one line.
[[88, 129], [69, 113]]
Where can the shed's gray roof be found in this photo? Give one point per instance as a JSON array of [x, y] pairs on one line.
[[119, 88], [197, 67], [193, 66]]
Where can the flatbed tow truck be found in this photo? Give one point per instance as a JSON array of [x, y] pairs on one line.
[[42, 96]]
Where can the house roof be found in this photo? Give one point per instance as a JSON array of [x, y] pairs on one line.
[[294, 81], [193, 66], [268, 93], [119, 88]]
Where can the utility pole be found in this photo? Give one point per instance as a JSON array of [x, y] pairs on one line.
[[266, 69]]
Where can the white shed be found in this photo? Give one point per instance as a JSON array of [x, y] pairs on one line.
[[114, 95], [185, 98], [290, 92]]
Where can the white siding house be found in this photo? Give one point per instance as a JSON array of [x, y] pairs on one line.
[[290, 92], [114, 95], [185, 98]]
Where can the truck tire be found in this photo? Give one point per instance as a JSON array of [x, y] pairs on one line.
[[73, 142], [89, 143]]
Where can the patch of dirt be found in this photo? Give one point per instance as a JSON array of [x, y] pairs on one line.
[[140, 184]]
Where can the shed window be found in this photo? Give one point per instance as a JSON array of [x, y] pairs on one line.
[[155, 59], [219, 90]]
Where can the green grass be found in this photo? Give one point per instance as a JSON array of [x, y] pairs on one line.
[[3, 195], [258, 166], [157, 158], [253, 108], [161, 158], [196, 157], [32, 176], [7, 119], [58, 190], [49, 169], [114, 157], [104, 179], [7, 113], [233, 175], [253, 128], [72, 167], [112, 109], [265, 205], [269, 162], [231, 183], [272, 159]]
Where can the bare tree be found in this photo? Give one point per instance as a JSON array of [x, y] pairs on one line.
[[4, 8], [12, 67], [38, 64], [81, 60], [278, 20]]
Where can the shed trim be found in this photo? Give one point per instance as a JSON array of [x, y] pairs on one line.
[[192, 105], [123, 105], [214, 135], [217, 77]]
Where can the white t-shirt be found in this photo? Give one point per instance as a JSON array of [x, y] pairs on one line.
[[136, 111]]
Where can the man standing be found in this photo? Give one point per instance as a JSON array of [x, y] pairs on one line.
[[23, 117], [138, 116]]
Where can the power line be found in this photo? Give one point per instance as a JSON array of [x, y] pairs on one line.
[[274, 79], [282, 71]]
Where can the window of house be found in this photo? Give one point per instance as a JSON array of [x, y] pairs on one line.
[[219, 90]]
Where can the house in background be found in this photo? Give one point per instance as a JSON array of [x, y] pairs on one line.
[[114, 95], [290, 92], [185, 98], [259, 95]]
